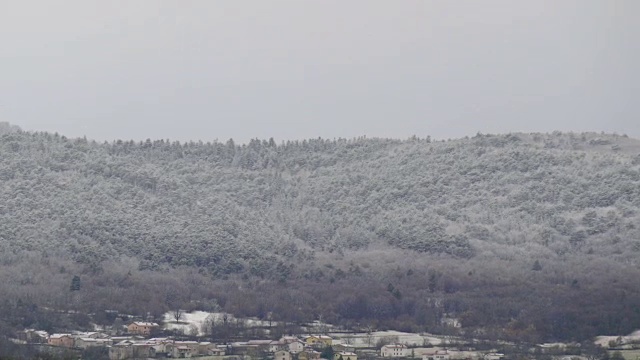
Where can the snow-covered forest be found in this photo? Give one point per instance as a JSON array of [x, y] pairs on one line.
[[529, 236]]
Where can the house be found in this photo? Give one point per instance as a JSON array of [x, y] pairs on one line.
[[65, 340], [292, 343], [309, 354], [144, 351], [241, 348], [345, 355], [295, 346], [225, 349], [436, 355], [194, 346], [318, 340], [217, 352], [181, 352], [276, 346], [159, 344], [176, 350], [207, 348], [344, 347], [180, 349], [262, 344], [394, 350], [142, 328], [282, 355]]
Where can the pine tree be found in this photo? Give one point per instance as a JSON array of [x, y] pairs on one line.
[[536, 266], [75, 283]]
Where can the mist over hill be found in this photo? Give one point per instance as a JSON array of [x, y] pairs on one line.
[[529, 236]]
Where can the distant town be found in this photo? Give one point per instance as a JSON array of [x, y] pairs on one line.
[[139, 343], [150, 340]]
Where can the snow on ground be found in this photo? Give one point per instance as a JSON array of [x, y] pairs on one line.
[[366, 340], [604, 340], [188, 321], [634, 336], [193, 321]]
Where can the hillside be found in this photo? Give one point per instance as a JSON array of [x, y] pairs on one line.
[[535, 235]]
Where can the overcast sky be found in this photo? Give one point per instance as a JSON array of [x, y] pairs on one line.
[[189, 70]]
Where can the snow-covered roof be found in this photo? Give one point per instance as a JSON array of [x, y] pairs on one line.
[[259, 342], [157, 340], [86, 339], [324, 337], [125, 343], [143, 323]]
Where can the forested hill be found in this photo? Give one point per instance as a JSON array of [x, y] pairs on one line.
[[235, 208], [281, 212]]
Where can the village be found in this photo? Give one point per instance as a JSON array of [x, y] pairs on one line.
[[147, 340], [139, 342], [143, 339]]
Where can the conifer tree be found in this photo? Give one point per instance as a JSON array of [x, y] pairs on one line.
[[75, 283]]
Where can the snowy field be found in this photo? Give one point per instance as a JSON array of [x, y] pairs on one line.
[[191, 323], [604, 340], [368, 340], [195, 320], [188, 321]]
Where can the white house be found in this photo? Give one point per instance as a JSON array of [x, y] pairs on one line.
[[345, 355], [296, 346], [394, 350]]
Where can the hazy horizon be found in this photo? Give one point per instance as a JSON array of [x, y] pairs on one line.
[[282, 141], [200, 70]]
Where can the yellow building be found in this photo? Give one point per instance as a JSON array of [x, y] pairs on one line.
[[318, 340]]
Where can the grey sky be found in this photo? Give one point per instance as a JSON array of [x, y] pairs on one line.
[[299, 69]]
